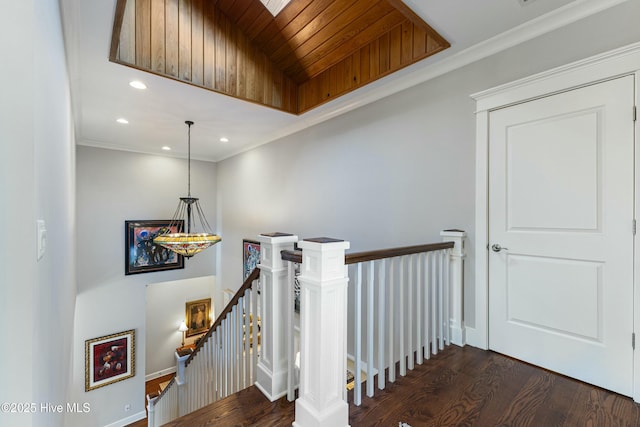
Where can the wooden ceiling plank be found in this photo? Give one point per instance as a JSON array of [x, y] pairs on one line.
[[117, 29], [407, 42], [250, 15], [157, 36], [143, 33], [343, 44], [356, 69], [365, 65], [273, 32], [418, 21], [225, 6], [171, 38], [209, 62], [242, 44], [419, 41], [231, 58], [126, 48], [264, 19], [374, 58], [395, 47], [197, 42], [220, 82], [352, 20], [184, 35], [308, 22], [383, 41]]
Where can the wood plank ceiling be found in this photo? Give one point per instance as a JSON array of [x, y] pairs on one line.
[[312, 52]]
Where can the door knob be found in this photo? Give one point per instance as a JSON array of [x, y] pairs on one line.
[[497, 248]]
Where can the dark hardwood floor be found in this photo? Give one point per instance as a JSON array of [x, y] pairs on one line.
[[458, 387]]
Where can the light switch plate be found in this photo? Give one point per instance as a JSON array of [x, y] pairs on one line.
[[42, 238]]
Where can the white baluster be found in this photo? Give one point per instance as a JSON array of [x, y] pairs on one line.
[[246, 339], [410, 320], [445, 284], [232, 350], [238, 332], [441, 299], [381, 318], [289, 334], [392, 291], [357, 389], [434, 302], [403, 318], [419, 287], [370, 335], [255, 304], [225, 357], [381, 325], [219, 361], [427, 306]]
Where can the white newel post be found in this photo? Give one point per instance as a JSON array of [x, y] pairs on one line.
[[272, 370], [456, 282], [323, 335], [181, 382], [151, 409]]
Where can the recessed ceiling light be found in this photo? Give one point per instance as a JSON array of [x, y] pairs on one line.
[[223, 139], [137, 84], [123, 121], [166, 148]]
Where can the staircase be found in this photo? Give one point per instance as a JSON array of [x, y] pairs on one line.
[[361, 312]]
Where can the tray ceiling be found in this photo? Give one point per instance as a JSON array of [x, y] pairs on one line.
[[311, 52]]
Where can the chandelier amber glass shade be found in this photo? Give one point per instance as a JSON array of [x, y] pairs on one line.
[[187, 244]]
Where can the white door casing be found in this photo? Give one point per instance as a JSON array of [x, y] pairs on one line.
[[561, 204], [606, 66]]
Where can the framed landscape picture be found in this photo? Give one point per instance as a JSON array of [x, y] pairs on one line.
[[198, 316], [250, 256], [141, 254], [109, 359]]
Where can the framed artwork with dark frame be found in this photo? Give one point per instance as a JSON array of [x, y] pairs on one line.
[[109, 359], [144, 256], [198, 317], [250, 256]]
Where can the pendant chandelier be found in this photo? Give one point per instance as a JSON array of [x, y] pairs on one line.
[[195, 239]]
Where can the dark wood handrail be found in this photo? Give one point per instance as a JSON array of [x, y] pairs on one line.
[[354, 258], [163, 392], [394, 252], [246, 285], [293, 256]]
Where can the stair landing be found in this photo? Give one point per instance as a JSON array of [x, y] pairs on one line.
[[459, 386], [248, 407]]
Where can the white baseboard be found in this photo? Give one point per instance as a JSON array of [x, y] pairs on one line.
[[130, 419], [475, 339], [159, 374]]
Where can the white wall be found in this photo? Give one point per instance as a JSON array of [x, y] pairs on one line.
[[398, 171], [36, 167], [166, 304], [114, 186]]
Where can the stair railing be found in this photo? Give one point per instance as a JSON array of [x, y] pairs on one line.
[[223, 363], [404, 304]]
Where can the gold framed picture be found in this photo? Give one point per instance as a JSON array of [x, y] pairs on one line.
[[109, 359], [198, 316]]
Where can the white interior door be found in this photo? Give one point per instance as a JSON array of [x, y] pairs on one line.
[[561, 207]]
